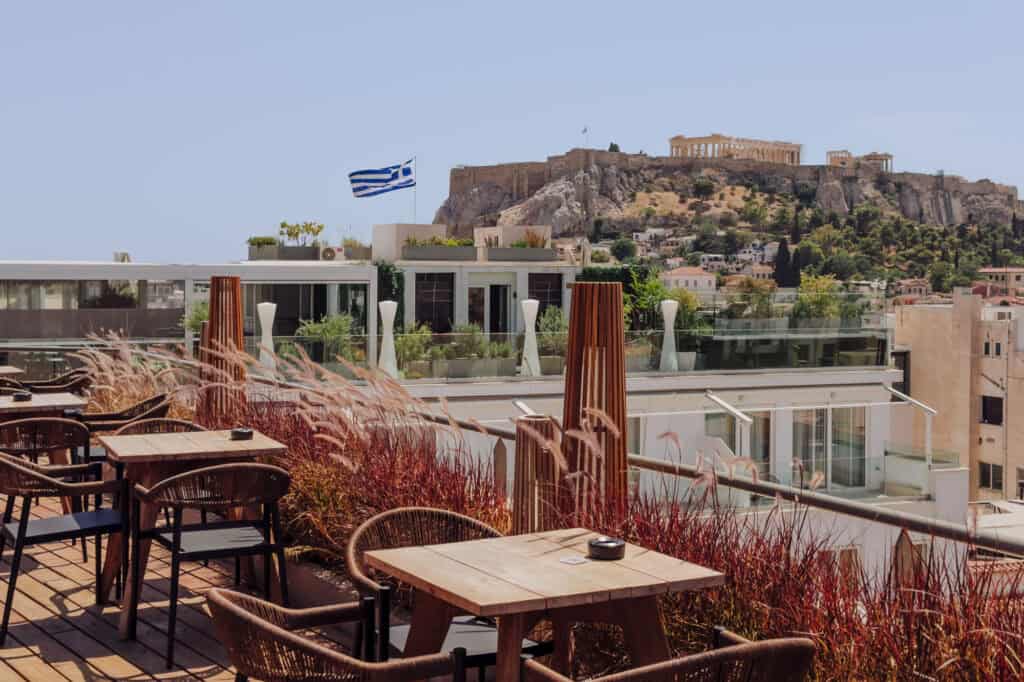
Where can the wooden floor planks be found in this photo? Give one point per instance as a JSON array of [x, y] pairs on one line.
[[57, 632]]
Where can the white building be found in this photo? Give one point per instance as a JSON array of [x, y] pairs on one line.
[[691, 278]]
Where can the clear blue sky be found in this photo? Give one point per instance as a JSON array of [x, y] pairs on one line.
[[176, 129]]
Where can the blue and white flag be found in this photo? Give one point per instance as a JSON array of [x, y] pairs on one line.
[[374, 181]]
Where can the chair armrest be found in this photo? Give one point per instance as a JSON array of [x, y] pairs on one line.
[[91, 488], [536, 672], [99, 416], [61, 470], [100, 425], [415, 668], [720, 637], [299, 619]]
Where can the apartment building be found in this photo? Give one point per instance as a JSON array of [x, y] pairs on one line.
[[966, 360]]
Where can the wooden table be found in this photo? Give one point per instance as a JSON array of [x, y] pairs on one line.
[[521, 578], [41, 405], [10, 371], [149, 459]]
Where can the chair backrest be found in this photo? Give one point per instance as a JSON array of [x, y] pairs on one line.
[[76, 384], [32, 437], [405, 527], [60, 379], [770, 660], [19, 478], [6, 382], [143, 426], [259, 647], [222, 487], [143, 408]]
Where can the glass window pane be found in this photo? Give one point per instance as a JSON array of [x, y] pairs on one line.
[[848, 437], [722, 426]]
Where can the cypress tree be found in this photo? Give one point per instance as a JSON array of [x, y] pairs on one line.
[[794, 274], [782, 265]]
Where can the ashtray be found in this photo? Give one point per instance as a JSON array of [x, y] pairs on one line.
[[606, 549], [241, 434], [21, 397]]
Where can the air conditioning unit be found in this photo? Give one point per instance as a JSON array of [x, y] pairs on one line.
[[328, 253]]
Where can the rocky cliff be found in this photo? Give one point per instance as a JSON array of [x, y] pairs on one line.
[[570, 191]]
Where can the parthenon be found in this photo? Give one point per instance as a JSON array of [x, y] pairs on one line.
[[718, 146]]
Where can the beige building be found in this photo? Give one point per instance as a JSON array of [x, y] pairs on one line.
[[842, 158], [691, 278], [1009, 279], [966, 360], [718, 146]]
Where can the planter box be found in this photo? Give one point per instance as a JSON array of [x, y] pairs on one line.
[[552, 365], [279, 252], [358, 253], [512, 253], [687, 360], [417, 369], [638, 363], [468, 368], [439, 253]]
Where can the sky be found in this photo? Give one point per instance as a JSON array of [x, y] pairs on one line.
[[175, 130]]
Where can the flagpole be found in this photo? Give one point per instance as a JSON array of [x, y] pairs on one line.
[[415, 170]]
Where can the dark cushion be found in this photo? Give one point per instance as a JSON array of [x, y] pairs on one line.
[[477, 636], [214, 539], [69, 525]]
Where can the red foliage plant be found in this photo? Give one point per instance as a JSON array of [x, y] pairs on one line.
[[356, 449]]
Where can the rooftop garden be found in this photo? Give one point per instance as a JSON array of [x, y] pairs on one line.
[[358, 448]]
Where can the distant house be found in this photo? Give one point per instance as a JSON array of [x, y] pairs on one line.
[[914, 286], [712, 262], [692, 278], [759, 271], [1010, 278]]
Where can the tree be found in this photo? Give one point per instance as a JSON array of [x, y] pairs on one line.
[[782, 219], [818, 298], [796, 229], [827, 237], [783, 275], [299, 233], [940, 274], [810, 253], [841, 264], [613, 147], [703, 187], [623, 248], [795, 274]]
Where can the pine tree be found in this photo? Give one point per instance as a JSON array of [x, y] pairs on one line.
[[782, 265]]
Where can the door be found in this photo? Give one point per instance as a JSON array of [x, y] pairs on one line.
[[478, 307], [499, 309]]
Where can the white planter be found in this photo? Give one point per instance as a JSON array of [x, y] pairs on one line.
[[531, 359], [669, 361], [686, 360], [266, 312], [388, 363]]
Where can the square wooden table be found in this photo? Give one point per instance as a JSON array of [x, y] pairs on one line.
[[521, 578], [150, 458], [41, 405], [10, 371]]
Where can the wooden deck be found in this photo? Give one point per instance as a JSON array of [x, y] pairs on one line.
[[57, 632]]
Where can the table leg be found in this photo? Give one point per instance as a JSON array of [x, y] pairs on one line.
[[147, 519], [431, 618], [62, 457], [113, 560], [511, 630], [643, 631], [561, 657]]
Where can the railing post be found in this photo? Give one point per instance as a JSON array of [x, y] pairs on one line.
[[927, 452]]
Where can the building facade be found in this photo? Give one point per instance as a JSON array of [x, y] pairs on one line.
[[691, 278], [718, 146]]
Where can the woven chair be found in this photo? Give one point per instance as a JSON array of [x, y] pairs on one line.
[[29, 481], [261, 642], [7, 382], [414, 526], [77, 384], [732, 658], [161, 425], [156, 407], [219, 489], [59, 380]]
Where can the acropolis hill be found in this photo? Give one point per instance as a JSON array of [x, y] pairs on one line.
[[569, 191]]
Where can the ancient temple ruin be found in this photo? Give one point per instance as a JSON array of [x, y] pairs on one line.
[[844, 159], [718, 146]]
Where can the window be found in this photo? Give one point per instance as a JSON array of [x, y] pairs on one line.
[[545, 287], [901, 360], [435, 300], [987, 349], [999, 349], [990, 476], [849, 427], [991, 410]]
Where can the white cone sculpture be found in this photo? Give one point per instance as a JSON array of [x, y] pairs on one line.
[[531, 360], [669, 359], [388, 362], [266, 313]]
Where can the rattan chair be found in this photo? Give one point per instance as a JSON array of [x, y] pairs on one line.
[[412, 526], [29, 481], [59, 380], [156, 407], [732, 658], [219, 489], [161, 425], [261, 642], [77, 384], [7, 382]]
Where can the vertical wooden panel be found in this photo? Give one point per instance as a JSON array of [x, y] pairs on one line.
[[536, 478], [595, 380], [221, 338]]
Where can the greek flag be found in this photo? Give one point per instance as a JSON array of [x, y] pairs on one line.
[[374, 181]]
